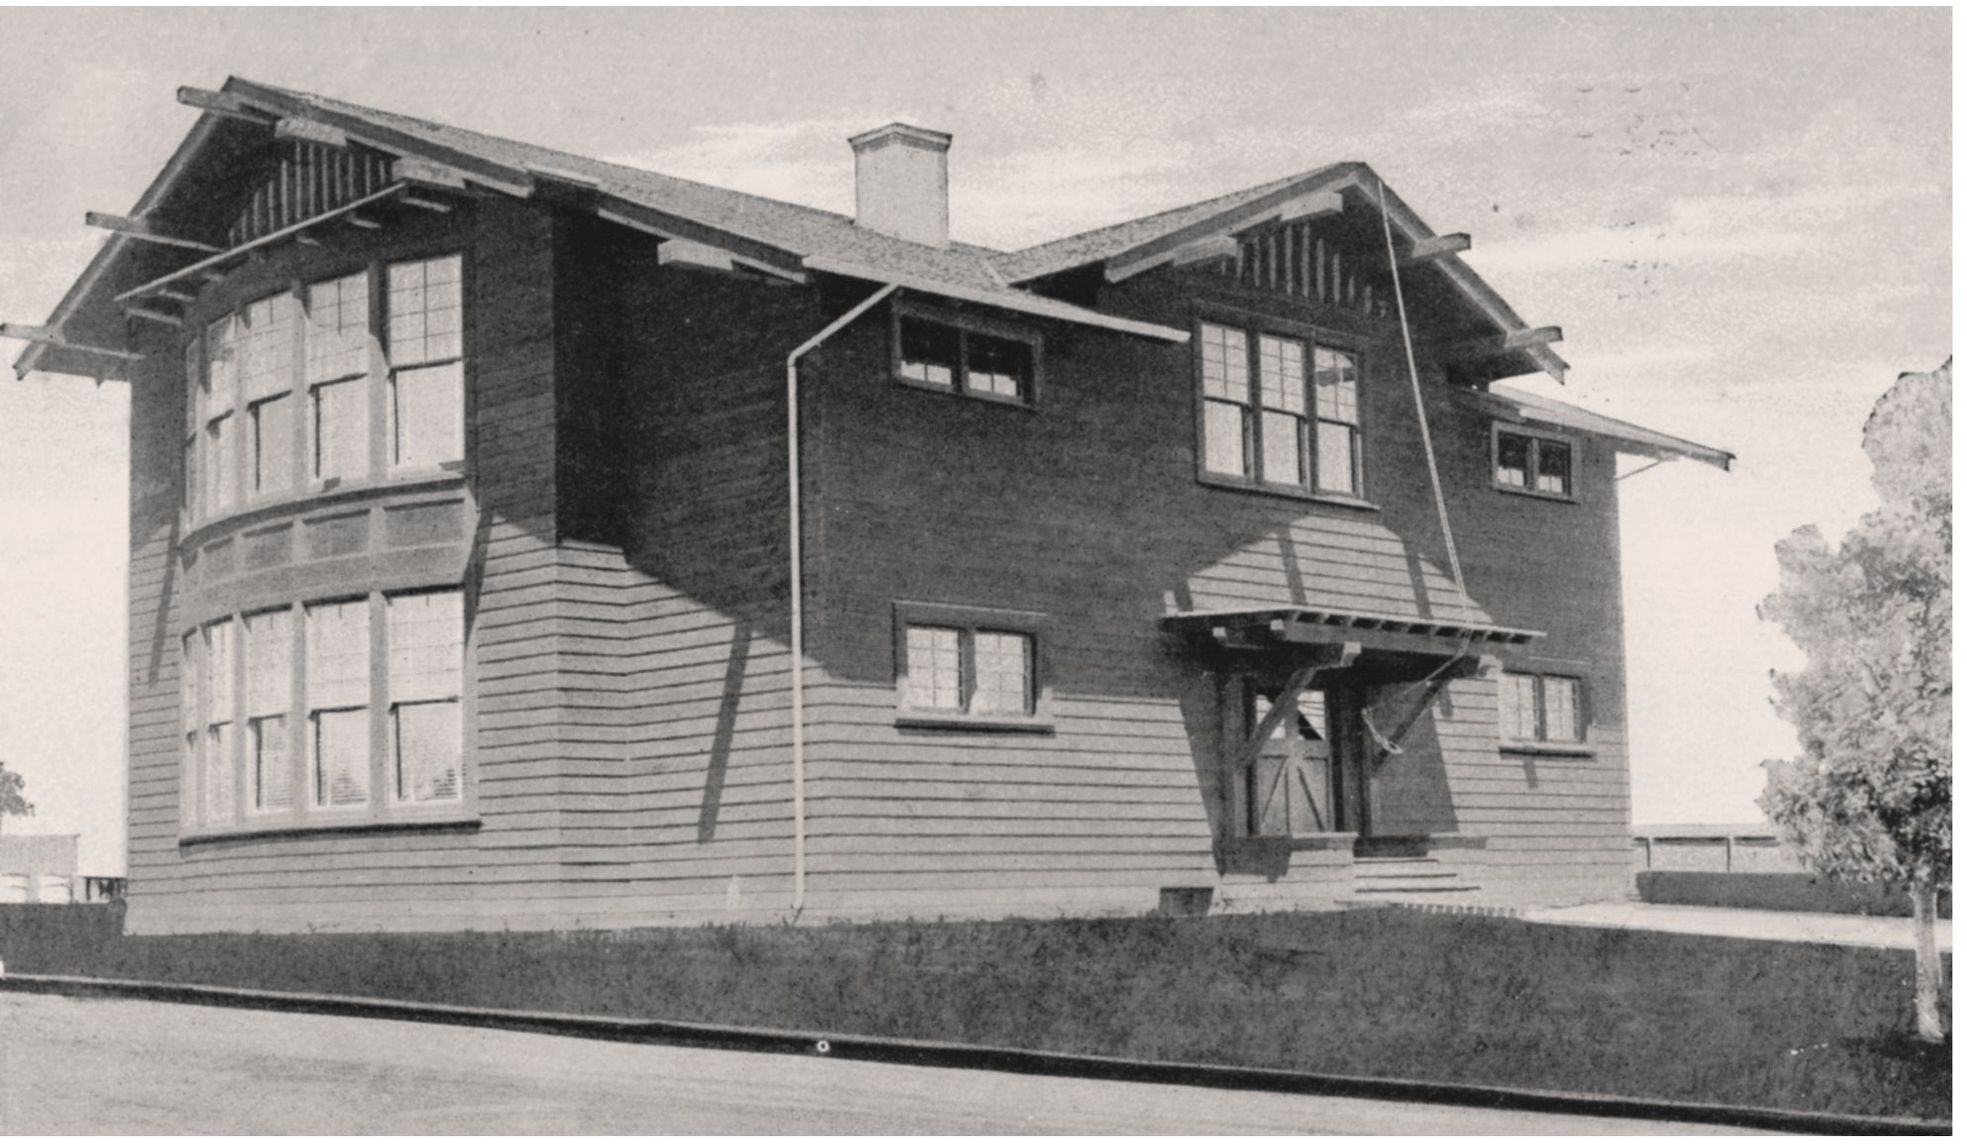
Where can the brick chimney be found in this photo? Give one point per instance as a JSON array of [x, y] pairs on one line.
[[901, 183]]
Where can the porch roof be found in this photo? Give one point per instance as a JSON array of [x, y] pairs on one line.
[[1256, 629]]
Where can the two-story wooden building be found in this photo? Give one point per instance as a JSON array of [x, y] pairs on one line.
[[520, 540]]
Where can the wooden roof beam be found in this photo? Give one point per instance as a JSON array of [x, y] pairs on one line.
[[310, 131], [1427, 250], [144, 313], [1512, 341], [47, 336], [225, 104], [424, 173], [144, 230]]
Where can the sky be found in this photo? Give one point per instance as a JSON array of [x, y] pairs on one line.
[[1741, 218]]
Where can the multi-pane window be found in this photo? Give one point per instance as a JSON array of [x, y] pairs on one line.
[[1299, 429], [962, 670], [217, 689], [1540, 708], [269, 700], [1527, 463], [280, 392], [964, 360], [1336, 375], [426, 359], [337, 359], [224, 340], [426, 660], [266, 377], [339, 708], [1225, 400], [338, 685]]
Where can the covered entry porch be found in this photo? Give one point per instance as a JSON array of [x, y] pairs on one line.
[[1329, 752]]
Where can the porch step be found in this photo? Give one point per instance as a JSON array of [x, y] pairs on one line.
[[1390, 876]]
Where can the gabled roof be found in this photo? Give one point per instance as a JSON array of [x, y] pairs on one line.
[[766, 234], [1099, 245], [1528, 408]]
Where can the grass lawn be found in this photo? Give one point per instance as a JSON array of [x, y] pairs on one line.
[[1383, 993]]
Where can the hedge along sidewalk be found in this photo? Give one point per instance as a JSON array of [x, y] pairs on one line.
[[939, 1054]]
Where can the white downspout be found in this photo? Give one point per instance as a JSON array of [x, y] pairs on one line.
[[797, 563]]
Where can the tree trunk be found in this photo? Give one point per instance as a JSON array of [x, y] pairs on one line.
[[1926, 962]]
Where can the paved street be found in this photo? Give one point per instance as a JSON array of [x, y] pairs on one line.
[[1762, 925], [90, 1066]]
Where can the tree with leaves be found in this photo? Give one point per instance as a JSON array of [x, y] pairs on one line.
[[12, 801], [1870, 799]]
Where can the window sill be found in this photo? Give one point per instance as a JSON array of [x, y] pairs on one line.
[[317, 496], [1340, 500], [1334, 840], [1534, 494], [449, 820], [1536, 747], [954, 721]]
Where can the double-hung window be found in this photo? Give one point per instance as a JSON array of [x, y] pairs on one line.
[[426, 660], [218, 777], [266, 378], [426, 363], [1533, 464], [995, 363], [337, 378], [269, 700], [224, 347], [1537, 708], [1298, 429], [338, 678]]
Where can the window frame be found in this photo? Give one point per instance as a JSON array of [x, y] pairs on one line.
[[969, 620], [965, 325], [1255, 328], [1533, 440], [380, 808], [1542, 742]]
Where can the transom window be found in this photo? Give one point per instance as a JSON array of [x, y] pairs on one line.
[[1297, 428], [1535, 708], [283, 392], [997, 364], [286, 730], [1526, 463]]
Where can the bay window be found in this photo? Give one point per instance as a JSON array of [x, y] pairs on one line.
[[280, 392], [331, 712]]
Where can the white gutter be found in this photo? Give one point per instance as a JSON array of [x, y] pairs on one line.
[[799, 585]]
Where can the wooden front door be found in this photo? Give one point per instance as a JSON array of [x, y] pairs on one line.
[[1296, 782]]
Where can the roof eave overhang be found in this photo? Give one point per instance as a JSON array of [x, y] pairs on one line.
[[1631, 438], [744, 250], [1018, 302]]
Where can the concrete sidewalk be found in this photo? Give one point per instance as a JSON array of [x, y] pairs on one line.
[[1761, 925]]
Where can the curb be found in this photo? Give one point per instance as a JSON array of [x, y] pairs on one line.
[[940, 1054]]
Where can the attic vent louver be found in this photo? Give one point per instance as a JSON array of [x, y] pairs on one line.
[[901, 183]]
